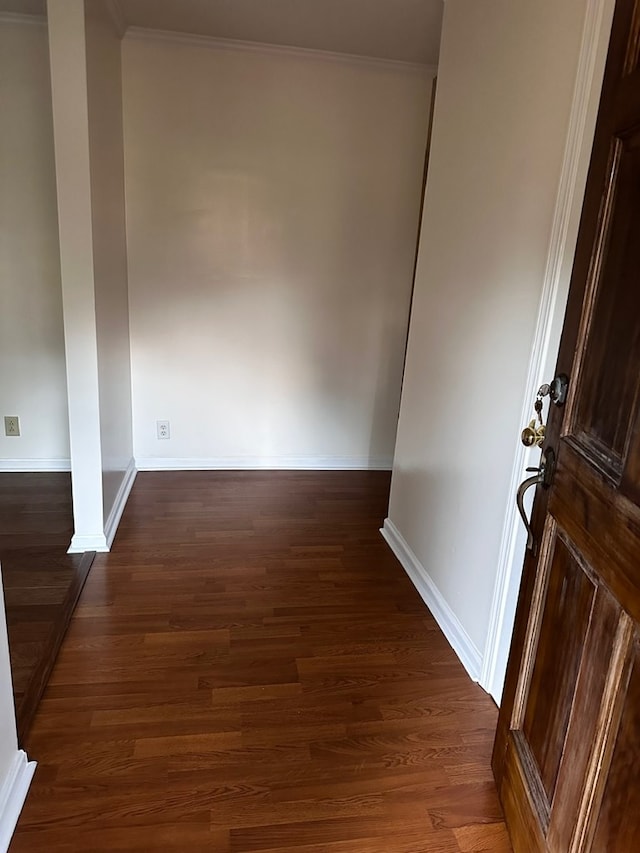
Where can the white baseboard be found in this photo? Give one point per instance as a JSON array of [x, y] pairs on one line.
[[88, 542], [120, 502], [23, 466], [272, 463], [460, 641], [13, 794]]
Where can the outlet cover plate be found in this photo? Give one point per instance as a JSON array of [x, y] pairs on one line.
[[163, 429], [11, 425]]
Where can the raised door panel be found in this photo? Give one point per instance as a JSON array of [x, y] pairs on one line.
[[570, 642], [563, 630], [618, 824], [609, 381]]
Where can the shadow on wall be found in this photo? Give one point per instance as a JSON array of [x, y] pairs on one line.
[[429, 507], [271, 212], [304, 346], [386, 403]]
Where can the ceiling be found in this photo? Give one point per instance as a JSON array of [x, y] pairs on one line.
[[404, 30]]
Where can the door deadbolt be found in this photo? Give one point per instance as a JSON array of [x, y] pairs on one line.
[[533, 434], [558, 389]]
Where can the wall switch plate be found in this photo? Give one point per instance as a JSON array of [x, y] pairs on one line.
[[11, 425], [163, 430]]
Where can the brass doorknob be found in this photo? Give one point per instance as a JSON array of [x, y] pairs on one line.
[[532, 435]]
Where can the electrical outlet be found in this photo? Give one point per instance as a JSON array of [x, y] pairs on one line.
[[11, 425], [162, 429]]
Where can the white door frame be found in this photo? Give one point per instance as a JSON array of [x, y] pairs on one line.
[[564, 232]]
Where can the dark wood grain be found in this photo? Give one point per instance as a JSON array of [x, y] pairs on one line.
[[563, 631], [41, 581], [251, 669], [566, 748], [587, 699], [43, 663], [618, 826], [612, 348]]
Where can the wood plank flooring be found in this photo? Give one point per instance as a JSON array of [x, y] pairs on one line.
[[41, 581], [250, 669]]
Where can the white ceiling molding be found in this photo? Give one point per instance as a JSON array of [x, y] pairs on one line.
[[19, 18], [117, 16], [401, 30], [212, 43]]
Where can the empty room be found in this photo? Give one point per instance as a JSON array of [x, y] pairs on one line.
[[320, 459]]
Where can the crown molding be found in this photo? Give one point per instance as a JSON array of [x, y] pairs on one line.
[[213, 43], [19, 18], [117, 16]]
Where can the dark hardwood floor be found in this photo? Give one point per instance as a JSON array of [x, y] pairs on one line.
[[250, 669], [41, 581]]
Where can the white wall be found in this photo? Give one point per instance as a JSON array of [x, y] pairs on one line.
[[32, 373], [272, 204], [505, 85], [8, 732], [87, 119], [104, 90], [16, 771], [71, 136]]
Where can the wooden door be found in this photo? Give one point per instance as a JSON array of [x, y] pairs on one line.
[[567, 751]]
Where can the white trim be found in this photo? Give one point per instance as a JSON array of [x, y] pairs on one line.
[[36, 465], [13, 794], [452, 628], [211, 42], [81, 542], [269, 463], [595, 34], [120, 502], [117, 16], [21, 18]]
